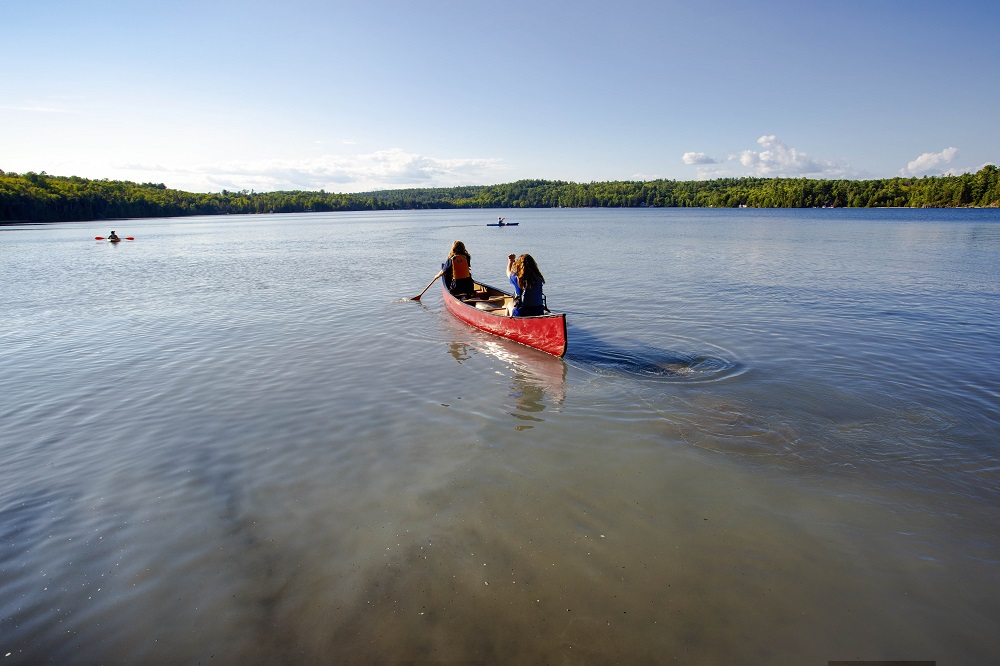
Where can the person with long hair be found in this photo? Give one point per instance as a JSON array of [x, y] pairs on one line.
[[527, 281], [457, 270]]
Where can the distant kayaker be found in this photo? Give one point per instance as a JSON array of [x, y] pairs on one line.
[[457, 270], [499, 221], [113, 236], [527, 280]]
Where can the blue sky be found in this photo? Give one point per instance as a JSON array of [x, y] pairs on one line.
[[372, 94]]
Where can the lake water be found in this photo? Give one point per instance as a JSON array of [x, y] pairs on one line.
[[775, 438]]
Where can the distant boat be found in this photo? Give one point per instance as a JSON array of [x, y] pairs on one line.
[[501, 222]]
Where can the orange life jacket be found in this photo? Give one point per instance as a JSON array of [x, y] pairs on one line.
[[460, 267]]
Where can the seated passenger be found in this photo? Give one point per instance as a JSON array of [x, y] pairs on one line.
[[527, 280]]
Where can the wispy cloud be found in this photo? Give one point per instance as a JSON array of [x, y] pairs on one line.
[[385, 169], [958, 171], [930, 163], [32, 109]]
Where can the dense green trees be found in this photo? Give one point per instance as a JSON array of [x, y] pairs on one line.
[[979, 189], [39, 197], [43, 198]]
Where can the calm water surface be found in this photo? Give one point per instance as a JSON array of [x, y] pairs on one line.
[[775, 438]]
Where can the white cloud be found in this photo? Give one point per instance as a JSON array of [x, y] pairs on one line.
[[774, 159], [929, 163], [697, 158], [384, 169], [958, 171]]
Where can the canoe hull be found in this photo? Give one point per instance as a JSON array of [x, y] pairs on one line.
[[546, 333]]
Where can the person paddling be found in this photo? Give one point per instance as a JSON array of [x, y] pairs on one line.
[[113, 237], [529, 301], [457, 270]]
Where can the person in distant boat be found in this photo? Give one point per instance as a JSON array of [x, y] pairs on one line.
[[457, 270], [113, 236], [500, 222], [527, 280]]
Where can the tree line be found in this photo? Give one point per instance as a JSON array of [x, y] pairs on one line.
[[39, 197]]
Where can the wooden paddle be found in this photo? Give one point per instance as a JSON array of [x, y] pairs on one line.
[[417, 297]]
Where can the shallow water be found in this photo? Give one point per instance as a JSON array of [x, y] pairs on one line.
[[774, 438]]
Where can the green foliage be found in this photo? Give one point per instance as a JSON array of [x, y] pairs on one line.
[[43, 198], [39, 197], [981, 189]]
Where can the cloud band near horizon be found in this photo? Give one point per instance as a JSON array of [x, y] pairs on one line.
[[775, 159]]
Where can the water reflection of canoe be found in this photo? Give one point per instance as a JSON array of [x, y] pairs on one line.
[[486, 311], [536, 378]]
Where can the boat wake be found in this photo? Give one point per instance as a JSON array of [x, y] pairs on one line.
[[649, 362]]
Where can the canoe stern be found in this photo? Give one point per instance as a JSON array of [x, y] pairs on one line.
[[546, 333]]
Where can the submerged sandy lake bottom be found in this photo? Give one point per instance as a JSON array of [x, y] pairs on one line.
[[774, 439]]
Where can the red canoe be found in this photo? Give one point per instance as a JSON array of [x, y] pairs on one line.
[[486, 311]]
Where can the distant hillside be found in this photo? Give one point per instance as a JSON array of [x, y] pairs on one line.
[[44, 198], [981, 189], [426, 197], [39, 197]]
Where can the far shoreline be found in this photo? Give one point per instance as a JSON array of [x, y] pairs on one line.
[[33, 198]]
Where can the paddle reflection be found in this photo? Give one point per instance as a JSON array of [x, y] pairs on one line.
[[459, 351]]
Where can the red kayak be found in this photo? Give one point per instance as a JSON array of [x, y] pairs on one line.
[[486, 311]]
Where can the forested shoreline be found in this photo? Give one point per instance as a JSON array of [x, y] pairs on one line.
[[39, 197]]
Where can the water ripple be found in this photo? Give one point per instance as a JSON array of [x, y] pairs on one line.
[[649, 362]]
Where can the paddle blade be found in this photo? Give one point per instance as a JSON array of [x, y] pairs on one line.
[[417, 297], [130, 238], [98, 237]]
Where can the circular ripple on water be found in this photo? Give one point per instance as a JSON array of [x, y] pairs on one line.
[[713, 364]]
